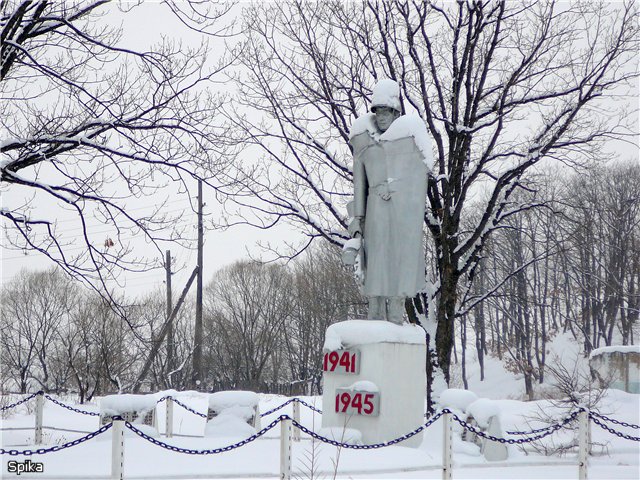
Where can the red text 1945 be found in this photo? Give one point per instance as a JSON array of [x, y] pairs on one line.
[[357, 403]]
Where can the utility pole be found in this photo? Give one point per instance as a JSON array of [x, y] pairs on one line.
[[167, 266], [197, 341], [163, 333]]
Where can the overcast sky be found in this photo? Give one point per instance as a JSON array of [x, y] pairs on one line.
[[143, 27]]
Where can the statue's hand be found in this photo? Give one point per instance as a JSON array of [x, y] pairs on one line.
[[355, 227], [384, 192]]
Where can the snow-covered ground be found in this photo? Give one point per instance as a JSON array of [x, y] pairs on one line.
[[501, 391], [615, 458]]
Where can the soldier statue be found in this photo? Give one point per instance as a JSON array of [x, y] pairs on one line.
[[391, 160]]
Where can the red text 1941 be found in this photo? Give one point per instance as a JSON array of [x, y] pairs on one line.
[[341, 361]]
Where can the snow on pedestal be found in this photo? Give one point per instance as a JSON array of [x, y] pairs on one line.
[[377, 377]]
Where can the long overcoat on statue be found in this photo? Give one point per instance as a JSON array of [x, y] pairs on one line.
[[390, 188]]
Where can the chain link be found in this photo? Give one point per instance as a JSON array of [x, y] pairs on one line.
[[530, 432], [364, 447], [214, 451], [519, 441], [55, 448], [69, 407], [613, 420], [612, 431], [20, 402]]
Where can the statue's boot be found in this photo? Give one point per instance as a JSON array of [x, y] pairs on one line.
[[376, 308], [395, 310]]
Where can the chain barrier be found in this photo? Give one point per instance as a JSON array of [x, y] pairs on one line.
[[277, 408], [186, 407], [300, 401], [311, 407], [542, 432], [539, 430], [613, 420], [20, 402], [512, 441], [530, 432], [55, 448], [612, 431], [369, 446], [69, 407], [213, 451]]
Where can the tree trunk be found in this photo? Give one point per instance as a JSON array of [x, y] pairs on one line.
[[446, 315]]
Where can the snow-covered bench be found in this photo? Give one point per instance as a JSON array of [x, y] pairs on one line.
[[482, 414], [238, 403], [616, 366], [137, 409]]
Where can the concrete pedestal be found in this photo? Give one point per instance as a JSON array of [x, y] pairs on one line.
[[391, 357]]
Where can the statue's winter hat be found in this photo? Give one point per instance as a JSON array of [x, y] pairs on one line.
[[386, 93]]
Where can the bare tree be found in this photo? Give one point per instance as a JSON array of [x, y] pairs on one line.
[[501, 85], [90, 126], [247, 306], [34, 308], [567, 268], [325, 292], [605, 212]]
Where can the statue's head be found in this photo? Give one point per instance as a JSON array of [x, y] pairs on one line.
[[385, 103]]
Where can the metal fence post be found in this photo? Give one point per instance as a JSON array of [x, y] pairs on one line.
[[285, 449], [39, 415], [447, 440], [117, 450], [583, 444], [169, 418], [296, 417]]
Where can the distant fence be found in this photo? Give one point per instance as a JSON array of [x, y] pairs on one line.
[[309, 386], [290, 429]]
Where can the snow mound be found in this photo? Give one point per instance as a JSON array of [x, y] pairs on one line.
[[364, 123], [403, 127], [467, 448], [411, 126], [238, 403], [482, 410], [456, 398], [615, 349], [228, 425], [112, 405], [354, 243], [220, 401], [362, 332], [363, 386]]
